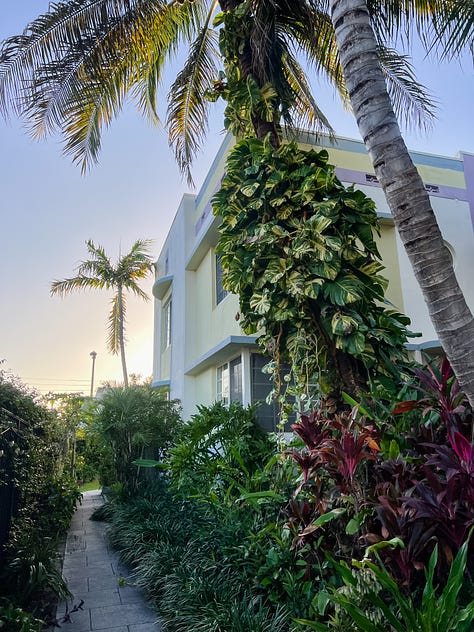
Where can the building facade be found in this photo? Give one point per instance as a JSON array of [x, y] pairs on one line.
[[200, 353]]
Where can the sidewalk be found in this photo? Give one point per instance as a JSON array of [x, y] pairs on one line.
[[103, 599]]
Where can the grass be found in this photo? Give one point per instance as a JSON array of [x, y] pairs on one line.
[[87, 487]]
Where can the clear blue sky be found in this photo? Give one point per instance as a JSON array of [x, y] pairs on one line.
[[48, 210]]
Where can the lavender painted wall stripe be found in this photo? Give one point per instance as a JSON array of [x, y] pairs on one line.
[[436, 190], [468, 160]]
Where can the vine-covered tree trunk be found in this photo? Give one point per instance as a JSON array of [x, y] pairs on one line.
[[250, 67], [403, 187]]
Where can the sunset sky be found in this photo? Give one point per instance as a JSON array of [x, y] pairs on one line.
[[48, 210]]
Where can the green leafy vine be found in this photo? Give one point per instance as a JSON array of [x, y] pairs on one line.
[[298, 248]]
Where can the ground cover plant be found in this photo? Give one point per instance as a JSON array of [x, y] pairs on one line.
[[185, 535], [362, 524]]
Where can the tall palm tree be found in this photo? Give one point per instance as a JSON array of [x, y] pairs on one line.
[[73, 67], [356, 36], [99, 272]]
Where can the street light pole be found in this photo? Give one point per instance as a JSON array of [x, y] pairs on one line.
[[93, 355]]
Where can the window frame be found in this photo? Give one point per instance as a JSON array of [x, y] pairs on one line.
[[221, 293], [226, 376], [166, 323]]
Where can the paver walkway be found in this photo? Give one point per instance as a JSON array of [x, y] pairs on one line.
[[96, 578]]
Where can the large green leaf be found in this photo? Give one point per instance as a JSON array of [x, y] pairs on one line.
[[249, 187], [342, 324], [261, 302], [354, 344], [343, 291], [313, 287]]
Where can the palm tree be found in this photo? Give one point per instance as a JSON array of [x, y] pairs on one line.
[[74, 66], [98, 272], [404, 190]]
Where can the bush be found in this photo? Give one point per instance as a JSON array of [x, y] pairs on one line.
[[189, 564], [38, 494], [218, 449], [14, 619], [129, 424]]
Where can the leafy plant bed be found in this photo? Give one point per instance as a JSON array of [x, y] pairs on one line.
[[364, 521]]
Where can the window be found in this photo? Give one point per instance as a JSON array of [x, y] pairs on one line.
[[267, 414], [166, 325], [229, 381], [221, 293]]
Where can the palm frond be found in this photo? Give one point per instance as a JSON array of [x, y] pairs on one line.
[[454, 28], [131, 286], [134, 66], [52, 35], [320, 49], [140, 251], [75, 65], [134, 266], [411, 101], [80, 282], [306, 111], [180, 26], [306, 31], [445, 27], [98, 252], [402, 19], [116, 317], [98, 266], [187, 117]]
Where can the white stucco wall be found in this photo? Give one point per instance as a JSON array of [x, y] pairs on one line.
[[456, 227]]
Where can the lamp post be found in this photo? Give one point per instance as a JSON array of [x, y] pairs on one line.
[[93, 355]]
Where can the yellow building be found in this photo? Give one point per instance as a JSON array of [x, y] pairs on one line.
[[200, 353]]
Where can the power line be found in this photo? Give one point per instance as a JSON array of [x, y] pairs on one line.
[[54, 379]]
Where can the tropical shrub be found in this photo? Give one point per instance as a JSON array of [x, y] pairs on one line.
[[190, 563], [189, 538], [132, 423], [244, 537], [218, 450], [362, 604], [411, 505], [14, 619]]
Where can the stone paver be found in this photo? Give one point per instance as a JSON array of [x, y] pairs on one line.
[[101, 600]]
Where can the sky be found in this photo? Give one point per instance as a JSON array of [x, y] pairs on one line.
[[48, 210]]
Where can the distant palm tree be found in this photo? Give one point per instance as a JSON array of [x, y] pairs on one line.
[[99, 273]]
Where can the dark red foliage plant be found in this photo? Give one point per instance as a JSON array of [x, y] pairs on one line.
[[352, 496], [428, 497]]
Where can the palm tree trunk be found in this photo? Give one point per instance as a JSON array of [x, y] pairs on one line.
[[121, 338], [404, 190]]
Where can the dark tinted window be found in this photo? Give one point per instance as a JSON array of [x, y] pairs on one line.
[[267, 414], [220, 292]]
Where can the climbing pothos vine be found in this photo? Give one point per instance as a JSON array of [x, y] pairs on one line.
[[298, 249]]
